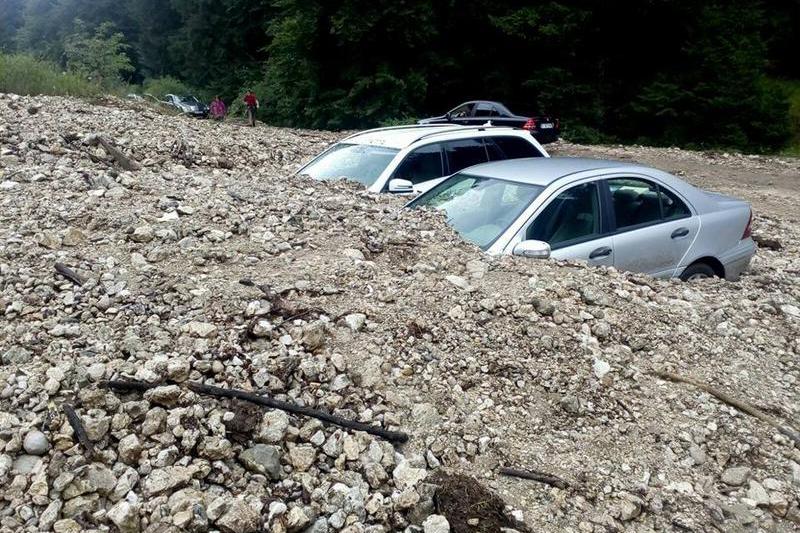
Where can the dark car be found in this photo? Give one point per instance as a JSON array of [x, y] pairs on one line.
[[544, 128], [188, 105]]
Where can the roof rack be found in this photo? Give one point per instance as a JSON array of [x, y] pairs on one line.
[[462, 128], [393, 128]]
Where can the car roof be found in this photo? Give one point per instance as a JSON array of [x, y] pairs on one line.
[[402, 136], [544, 171]]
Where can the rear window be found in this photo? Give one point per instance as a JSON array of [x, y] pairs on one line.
[[464, 153], [510, 148]]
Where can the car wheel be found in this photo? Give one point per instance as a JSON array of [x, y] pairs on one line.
[[697, 271]]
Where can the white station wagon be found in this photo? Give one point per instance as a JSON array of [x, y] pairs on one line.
[[401, 159]]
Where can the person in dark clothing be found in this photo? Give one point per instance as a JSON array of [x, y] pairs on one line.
[[251, 102]]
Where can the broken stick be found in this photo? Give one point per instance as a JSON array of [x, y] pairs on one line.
[[77, 427], [68, 273], [733, 402], [541, 477], [392, 436], [121, 159], [127, 385]]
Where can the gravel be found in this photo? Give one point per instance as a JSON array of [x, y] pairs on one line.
[[353, 306]]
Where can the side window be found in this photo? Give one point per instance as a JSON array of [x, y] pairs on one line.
[[486, 110], [572, 216], [672, 208], [510, 148], [461, 111], [464, 153], [635, 202], [422, 164]]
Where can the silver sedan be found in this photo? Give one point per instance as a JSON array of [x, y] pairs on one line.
[[610, 213]]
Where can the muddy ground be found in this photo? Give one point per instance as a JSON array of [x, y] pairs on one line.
[[206, 261]]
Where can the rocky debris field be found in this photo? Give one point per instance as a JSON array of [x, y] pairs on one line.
[[208, 263]]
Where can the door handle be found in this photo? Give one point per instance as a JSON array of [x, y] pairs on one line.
[[680, 232], [604, 251]]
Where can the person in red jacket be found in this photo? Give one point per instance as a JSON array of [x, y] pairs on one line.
[[251, 102]]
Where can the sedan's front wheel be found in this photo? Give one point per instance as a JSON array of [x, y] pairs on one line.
[[697, 271]]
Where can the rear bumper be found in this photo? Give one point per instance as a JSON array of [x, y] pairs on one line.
[[737, 259]]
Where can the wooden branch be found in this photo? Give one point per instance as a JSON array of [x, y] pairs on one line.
[[127, 385], [733, 402], [68, 273], [122, 160], [541, 477], [392, 436], [80, 432]]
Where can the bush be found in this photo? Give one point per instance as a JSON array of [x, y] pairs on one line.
[[399, 121], [581, 134], [24, 74], [160, 87]]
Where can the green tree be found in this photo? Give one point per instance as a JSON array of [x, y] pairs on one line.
[[10, 22], [100, 55]]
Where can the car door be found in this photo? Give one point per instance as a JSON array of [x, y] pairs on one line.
[[653, 227], [572, 222], [420, 165], [463, 153]]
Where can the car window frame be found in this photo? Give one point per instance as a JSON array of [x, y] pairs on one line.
[[469, 114], [406, 154], [523, 139], [604, 230], [449, 171], [517, 231], [491, 108], [612, 216]]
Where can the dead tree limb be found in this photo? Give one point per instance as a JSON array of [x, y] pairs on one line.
[[733, 402], [127, 385], [121, 159], [541, 477], [392, 436], [68, 273], [80, 432]]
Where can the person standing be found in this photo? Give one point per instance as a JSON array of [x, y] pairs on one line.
[[218, 109], [251, 102]]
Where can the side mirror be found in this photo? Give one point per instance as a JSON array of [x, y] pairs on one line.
[[400, 186], [532, 249], [448, 116]]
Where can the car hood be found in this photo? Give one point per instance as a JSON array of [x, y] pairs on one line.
[[425, 186]]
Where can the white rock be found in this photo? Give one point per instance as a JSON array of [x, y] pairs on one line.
[[436, 523], [36, 443], [356, 321], [601, 368]]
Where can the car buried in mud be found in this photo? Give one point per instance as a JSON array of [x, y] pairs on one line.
[[411, 159], [632, 217]]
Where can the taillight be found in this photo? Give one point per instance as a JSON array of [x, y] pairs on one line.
[[558, 124], [530, 125], [748, 231]]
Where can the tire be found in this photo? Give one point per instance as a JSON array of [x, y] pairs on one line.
[[697, 271]]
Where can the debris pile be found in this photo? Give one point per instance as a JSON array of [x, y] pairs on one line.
[[150, 265]]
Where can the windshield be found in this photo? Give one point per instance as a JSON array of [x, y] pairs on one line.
[[358, 162], [190, 100], [480, 209]]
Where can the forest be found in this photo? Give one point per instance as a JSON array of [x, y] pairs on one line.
[[694, 73]]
